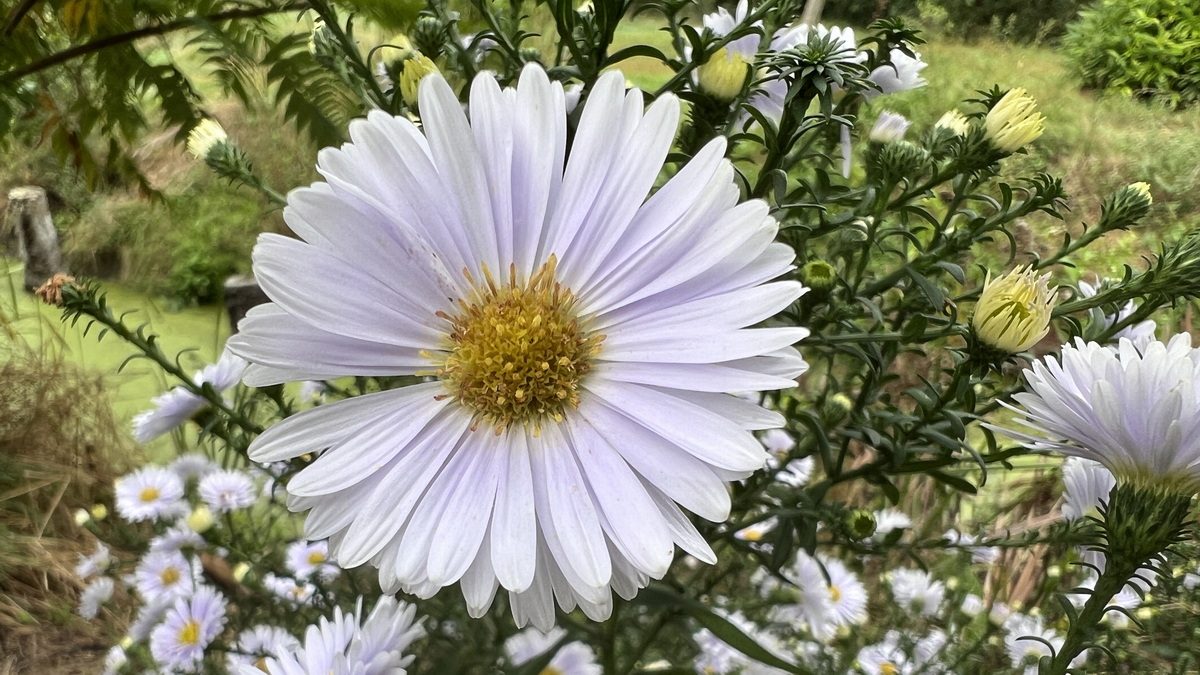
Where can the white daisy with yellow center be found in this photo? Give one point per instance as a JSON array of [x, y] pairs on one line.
[[577, 335], [188, 627]]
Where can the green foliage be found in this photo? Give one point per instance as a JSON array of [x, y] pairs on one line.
[[1015, 20], [1141, 48]]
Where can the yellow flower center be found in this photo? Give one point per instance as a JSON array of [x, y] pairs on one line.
[[835, 593], [518, 351], [888, 668], [190, 634], [551, 670], [169, 576], [148, 494], [316, 558]]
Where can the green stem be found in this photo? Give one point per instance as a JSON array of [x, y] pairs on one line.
[[1084, 626]]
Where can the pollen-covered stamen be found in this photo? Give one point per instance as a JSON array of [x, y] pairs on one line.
[[518, 351]]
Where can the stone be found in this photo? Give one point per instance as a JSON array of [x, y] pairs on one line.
[[242, 293], [28, 235]]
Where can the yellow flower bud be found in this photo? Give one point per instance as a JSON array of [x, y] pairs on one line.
[[1014, 121], [1013, 311], [201, 519], [416, 68], [204, 137], [724, 74], [126, 642], [240, 571], [1143, 189], [82, 517], [954, 122], [99, 512]]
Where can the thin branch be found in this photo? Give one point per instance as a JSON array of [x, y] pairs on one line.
[[107, 41]]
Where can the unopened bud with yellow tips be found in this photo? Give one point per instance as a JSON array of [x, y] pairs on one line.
[[240, 571], [416, 68], [1014, 310], [724, 74], [954, 122], [200, 520], [1014, 122], [204, 137]]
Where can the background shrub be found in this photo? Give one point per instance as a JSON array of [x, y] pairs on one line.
[[1143, 48], [1015, 20]]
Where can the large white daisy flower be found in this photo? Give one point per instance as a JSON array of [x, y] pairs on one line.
[[179, 405], [350, 644], [150, 493], [164, 574], [227, 490], [94, 595], [1087, 484], [178, 643], [579, 338], [902, 74], [1135, 412], [94, 563], [573, 658], [916, 590]]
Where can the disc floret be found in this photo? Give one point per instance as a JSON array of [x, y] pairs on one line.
[[518, 351]]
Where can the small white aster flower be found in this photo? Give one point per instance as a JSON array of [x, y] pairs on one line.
[[176, 537], [179, 405], [883, 658], [926, 652], [985, 555], [115, 660], [189, 626], [204, 137], [812, 606], [888, 521], [777, 442], [972, 605], [306, 558], [1137, 413], [797, 473], [351, 644], [847, 595], [1025, 653], [256, 644], [164, 574], [150, 493], [1086, 485], [573, 658], [149, 616], [227, 490], [917, 590], [717, 657], [1140, 334], [757, 531], [192, 465], [291, 590], [94, 595], [903, 74], [611, 407], [1191, 580], [889, 127], [94, 563]]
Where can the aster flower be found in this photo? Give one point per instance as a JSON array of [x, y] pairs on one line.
[[580, 339], [985, 555], [350, 643], [972, 605], [572, 658], [1137, 413], [205, 136], [847, 595], [1086, 485], [1014, 311], [889, 127], [192, 465], [163, 574], [770, 93], [888, 521], [1140, 334], [189, 626], [797, 472], [293, 591], [955, 122], [94, 563], [1014, 121], [149, 616], [725, 72], [175, 538], [756, 531], [179, 405], [306, 558], [94, 595], [717, 657], [883, 658], [917, 590], [902, 74], [1024, 652], [812, 605], [777, 442], [257, 643], [227, 490], [115, 660], [150, 493]]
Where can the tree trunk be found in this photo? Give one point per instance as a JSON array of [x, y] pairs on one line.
[[28, 235], [812, 12]]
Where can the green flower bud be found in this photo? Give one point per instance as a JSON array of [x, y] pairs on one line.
[[860, 523], [819, 275]]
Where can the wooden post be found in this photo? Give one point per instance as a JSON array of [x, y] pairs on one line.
[[28, 235], [811, 14]]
